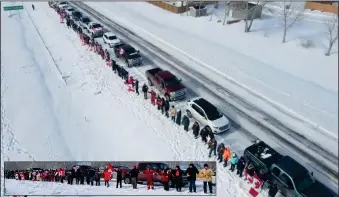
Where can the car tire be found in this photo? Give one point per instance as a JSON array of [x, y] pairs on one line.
[[189, 114]]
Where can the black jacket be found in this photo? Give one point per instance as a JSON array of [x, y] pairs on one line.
[[91, 173], [119, 174], [134, 173], [178, 178], [144, 88], [196, 129], [192, 173], [241, 163], [204, 133], [167, 105]]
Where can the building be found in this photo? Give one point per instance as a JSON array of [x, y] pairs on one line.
[[323, 6]]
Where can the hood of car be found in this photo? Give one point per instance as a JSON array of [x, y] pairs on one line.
[[220, 122], [115, 41]]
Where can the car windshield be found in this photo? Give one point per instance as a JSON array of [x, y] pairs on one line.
[[85, 20], [112, 37], [70, 9], [96, 26], [303, 182], [130, 50], [171, 81], [211, 111]]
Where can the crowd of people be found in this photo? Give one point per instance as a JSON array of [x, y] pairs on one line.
[[80, 176]]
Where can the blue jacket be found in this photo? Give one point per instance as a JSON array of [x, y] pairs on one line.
[[234, 160]]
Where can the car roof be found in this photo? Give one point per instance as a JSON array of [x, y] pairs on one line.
[[204, 104], [110, 34], [292, 167], [165, 75]]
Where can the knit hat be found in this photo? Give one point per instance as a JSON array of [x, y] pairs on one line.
[[205, 165]]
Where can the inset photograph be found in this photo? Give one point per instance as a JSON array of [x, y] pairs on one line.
[[111, 178]]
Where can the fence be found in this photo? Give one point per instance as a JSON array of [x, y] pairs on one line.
[[168, 7], [321, 7]]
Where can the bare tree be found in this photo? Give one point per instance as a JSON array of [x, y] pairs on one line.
[[289, 15], [332, 32], [254, 9], [214, 7]]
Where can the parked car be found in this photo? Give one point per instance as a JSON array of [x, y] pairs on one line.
[[84, 21], [110, 39], [129, 54], [76, 15], [69, 10], [166, 83], [157, 167], [207, 114], [292, 179], [95, 29]]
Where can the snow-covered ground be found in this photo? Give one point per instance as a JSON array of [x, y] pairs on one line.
[[298, 80], [14, 187], [60, 102]]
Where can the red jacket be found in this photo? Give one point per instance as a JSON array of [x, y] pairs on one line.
[[149, 174], [159, 101], [107, 176], [153, 95]]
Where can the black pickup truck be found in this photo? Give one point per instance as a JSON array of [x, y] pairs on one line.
[[291, 178], [129, 54]]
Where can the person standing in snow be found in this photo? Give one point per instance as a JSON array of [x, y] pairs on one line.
[[173, 113], [210, 133], [145, 91], [186, 122], [191, 173], [165, 179], [167, 107], [206, 175], [77, 176], [158, 102], [107, 177], [136, 86], [149, 177], [97, 178], [220, 151], [212, 144], [196, 129], [204, 134], [241, 165], [119, 178], [234, 161], [91, 175], [178, 178], [226, 155], [82, 177], [33, 8], [163, 103], [178, 119], [134, 176]]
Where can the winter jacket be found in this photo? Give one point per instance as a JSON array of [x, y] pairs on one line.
[[212, 143], [119, 174], [196, 129], [227, 154], [178, 176], [234, 160], [107, 176], [97, 176], [178, 119], [144, 88], [134, 173], [241, 163], [185, 121], [173, 111], [164, 178], [91, 173], [204, 133], [221, 148], [206, 174], [167, 106], [192, 173]]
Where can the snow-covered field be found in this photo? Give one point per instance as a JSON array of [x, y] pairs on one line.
[[14, 187], [60, 102], [300, 81]]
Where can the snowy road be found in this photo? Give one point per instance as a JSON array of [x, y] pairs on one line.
[[169, 62]]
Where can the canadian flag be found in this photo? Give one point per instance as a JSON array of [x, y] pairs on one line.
[[110, 168], [256, 183]]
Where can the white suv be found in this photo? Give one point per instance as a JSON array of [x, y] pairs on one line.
[[207, 114], [111, 39]]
